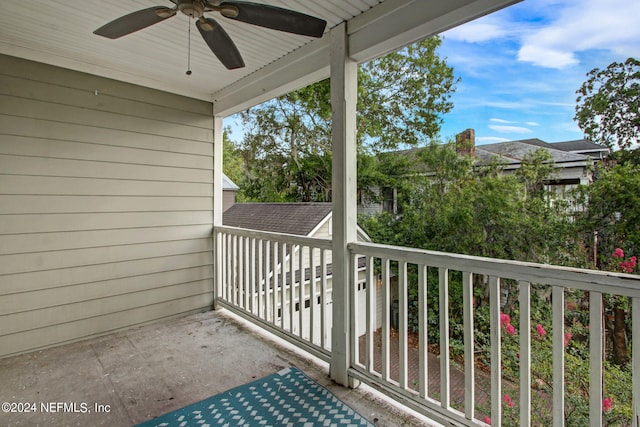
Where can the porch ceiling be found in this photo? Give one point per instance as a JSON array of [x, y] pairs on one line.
[[61, 33]]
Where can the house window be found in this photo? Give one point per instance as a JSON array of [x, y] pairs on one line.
[[390, 200]]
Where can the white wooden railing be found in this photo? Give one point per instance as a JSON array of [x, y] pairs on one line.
[[385, 263], [258, 277]]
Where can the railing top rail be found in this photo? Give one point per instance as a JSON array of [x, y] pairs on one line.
[[577, 278], [276, 237]]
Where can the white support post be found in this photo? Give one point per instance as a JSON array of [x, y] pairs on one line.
[[217, 208], [344, 91]]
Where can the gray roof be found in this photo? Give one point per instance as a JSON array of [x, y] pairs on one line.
[[512, 152], [580, 145], [227, 184], [289, 218]]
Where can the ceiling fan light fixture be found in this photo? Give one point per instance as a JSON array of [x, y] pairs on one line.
[[165, 13], [193, 9], [229, 11], [206, 25]]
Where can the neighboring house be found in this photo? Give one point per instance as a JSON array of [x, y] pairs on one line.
[[229, 189], [300, 219], [584, 147], [572, 161]]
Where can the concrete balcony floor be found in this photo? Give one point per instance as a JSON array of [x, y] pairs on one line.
[[141, 373]]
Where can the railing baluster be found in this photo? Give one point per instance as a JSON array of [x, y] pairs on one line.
[[221, 263], [558, 355], [354, 310], [301, 293], [525, 354], [386, 318], [469, 361], [403, 324], [252, 275], [313, 298], [283, 284], [262, 274], [234, 273], [239, 272], [443, 276], [267, 280], [496, 353], [595, 358], [292, 284], [229, 269], [323, 299], [369, 315], [247, 277], [272, 285], [423, 332]]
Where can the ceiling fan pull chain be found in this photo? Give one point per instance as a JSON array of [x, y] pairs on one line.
[[189, 47]]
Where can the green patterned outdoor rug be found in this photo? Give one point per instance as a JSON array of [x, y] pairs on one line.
[[286, 398]]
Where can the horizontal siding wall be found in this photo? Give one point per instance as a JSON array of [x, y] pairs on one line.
[[106, 199]]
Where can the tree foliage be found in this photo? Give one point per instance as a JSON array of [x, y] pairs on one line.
[[462, 208], [613, 210], [286, 149], [608, 105]]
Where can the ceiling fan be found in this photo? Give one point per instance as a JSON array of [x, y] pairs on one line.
[[214, 35]]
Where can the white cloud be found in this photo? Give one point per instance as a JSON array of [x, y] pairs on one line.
[[500, 121], [546, 56], [510, 129], [532, 123], [582, 25], [478, 31]]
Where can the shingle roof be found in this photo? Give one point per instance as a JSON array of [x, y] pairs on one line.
[[290, 218], [514, 151], [580, 145]]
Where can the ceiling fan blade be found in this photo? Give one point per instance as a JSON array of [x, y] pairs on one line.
[[220, 43], [134, 21], [275, 18]]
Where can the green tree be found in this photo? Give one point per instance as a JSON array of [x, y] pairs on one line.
[[232, 164], [608, 105], [454, 205], [613, 212], [613, 209], [287, 141]]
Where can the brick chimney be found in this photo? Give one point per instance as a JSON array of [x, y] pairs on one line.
[[466, 143]]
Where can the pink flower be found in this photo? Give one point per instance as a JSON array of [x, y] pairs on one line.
[[541, 330], [510, 329], [567, 338], [507, 400], [487, 420], [628, 266], [618, 253], [607, 404], [505, 319]]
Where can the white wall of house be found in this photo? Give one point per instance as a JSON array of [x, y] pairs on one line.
[[105, 205]]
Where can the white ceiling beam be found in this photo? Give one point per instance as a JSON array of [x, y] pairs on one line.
[[385, 28], [300, 68]]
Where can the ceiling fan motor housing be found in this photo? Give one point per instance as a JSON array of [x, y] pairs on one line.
[[192, 8]]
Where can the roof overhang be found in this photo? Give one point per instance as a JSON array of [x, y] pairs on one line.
[[60, 33]]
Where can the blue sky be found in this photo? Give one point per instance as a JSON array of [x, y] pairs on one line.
[[520, 67]]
